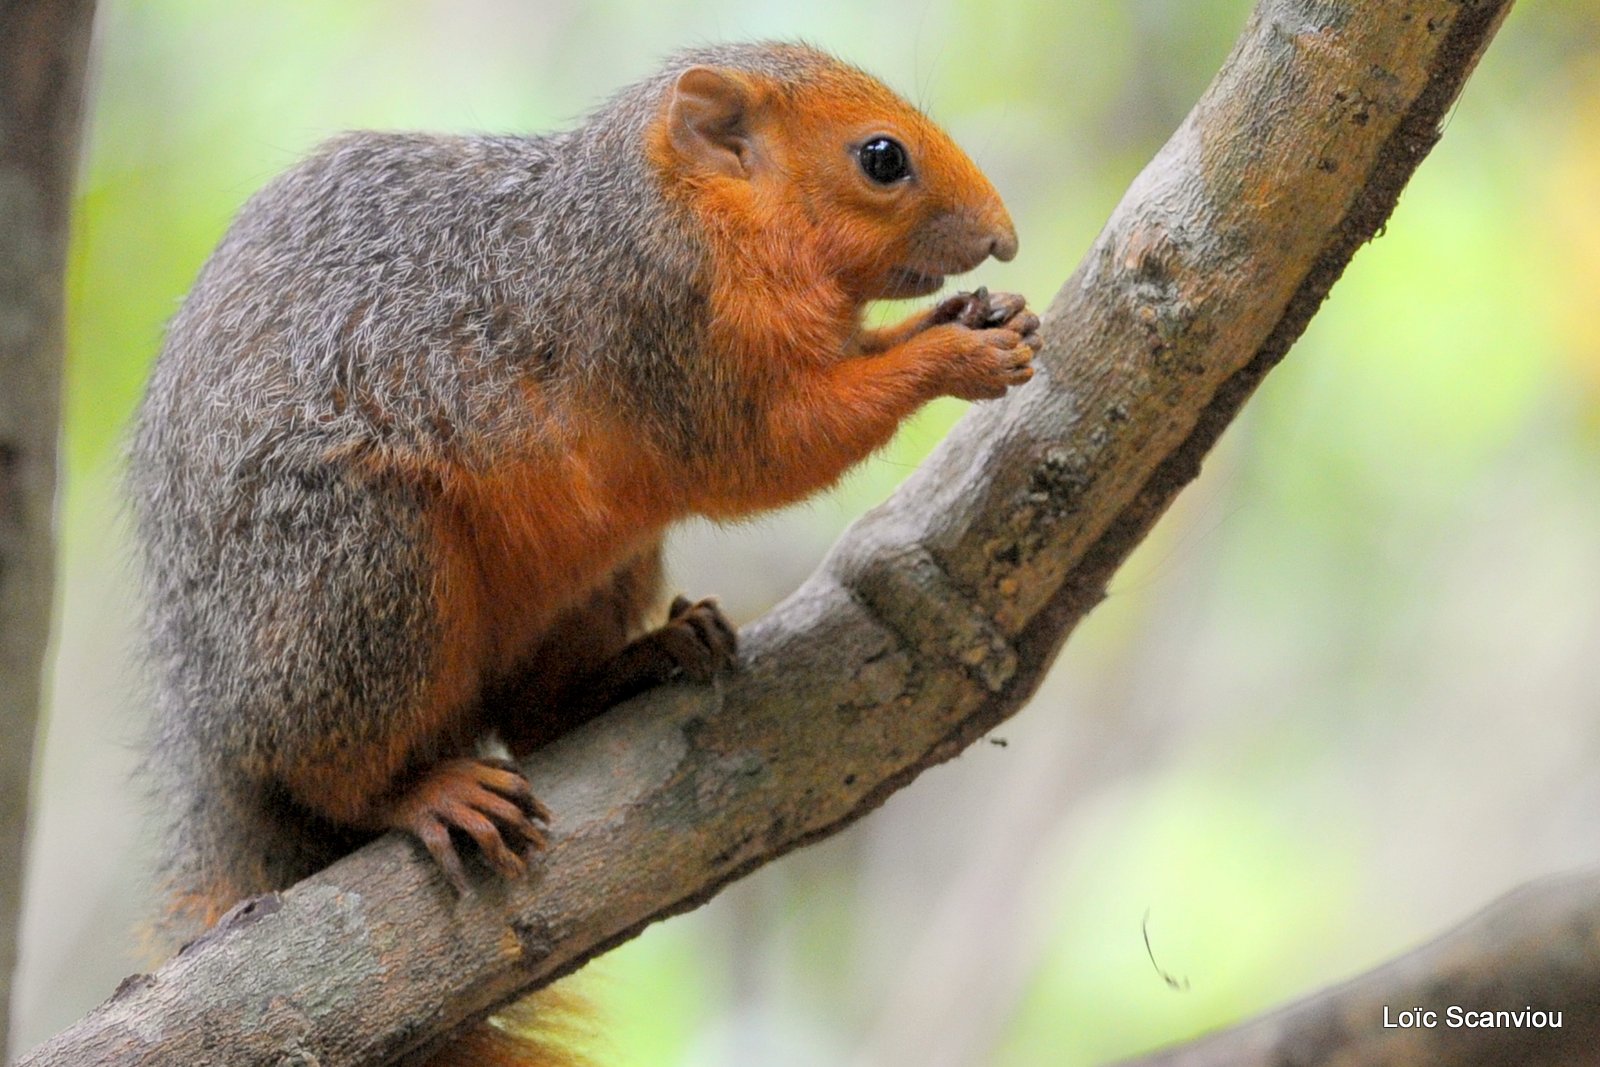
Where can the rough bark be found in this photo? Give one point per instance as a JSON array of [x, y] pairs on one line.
[[43, 50], [932, 620], [1535, 950]]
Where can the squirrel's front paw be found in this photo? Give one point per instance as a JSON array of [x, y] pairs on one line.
[[488, 800], [1001, 335], [981, 310], [990, 361]]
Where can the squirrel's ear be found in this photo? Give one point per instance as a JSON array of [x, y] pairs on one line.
[[708, 122]]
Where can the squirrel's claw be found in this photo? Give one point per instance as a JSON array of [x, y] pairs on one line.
[[436, 839], [983, 310], [512, 783], [698, 638], [490, 801]]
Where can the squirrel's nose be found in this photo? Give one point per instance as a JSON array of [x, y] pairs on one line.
[[996, 226], [1003, 246]]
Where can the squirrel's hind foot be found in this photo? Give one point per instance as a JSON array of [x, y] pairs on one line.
[[489, 800]]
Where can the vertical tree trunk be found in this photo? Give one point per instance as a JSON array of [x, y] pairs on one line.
[[44, 45]]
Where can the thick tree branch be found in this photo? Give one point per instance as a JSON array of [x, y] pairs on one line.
[[933, 619], [1534, 950], [43, 50]]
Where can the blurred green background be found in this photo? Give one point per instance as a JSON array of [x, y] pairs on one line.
[[1345, 694]]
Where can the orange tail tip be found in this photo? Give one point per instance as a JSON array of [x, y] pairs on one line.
[[550, 1028]]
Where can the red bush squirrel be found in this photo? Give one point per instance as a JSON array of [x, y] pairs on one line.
[[404, 465]]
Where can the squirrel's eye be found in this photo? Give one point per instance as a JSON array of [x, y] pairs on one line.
[[884, 160]]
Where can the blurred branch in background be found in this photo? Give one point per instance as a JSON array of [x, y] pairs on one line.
[[934, 619], [1534, 954], [44, 48]]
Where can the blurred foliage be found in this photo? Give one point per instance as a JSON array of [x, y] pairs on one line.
[[1344, 694]]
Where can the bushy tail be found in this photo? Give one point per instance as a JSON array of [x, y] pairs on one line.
[[549, 1028]]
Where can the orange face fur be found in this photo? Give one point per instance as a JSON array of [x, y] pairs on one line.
[[885, 241], [774, 171]]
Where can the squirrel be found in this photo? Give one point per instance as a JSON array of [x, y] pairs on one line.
[[402, 471]]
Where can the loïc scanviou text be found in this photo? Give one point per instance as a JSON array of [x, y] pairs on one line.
[[1456, 1016]]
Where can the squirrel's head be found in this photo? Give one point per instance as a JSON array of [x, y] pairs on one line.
[[785, 137]]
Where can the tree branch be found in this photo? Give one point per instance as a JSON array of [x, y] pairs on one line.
[[1537, 949], [933, 619], [43, 51]]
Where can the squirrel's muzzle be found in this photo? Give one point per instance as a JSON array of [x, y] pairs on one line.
[[957, 241], [951, 243], [1003, 242]]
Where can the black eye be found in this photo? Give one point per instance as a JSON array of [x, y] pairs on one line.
[[884, 160]]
